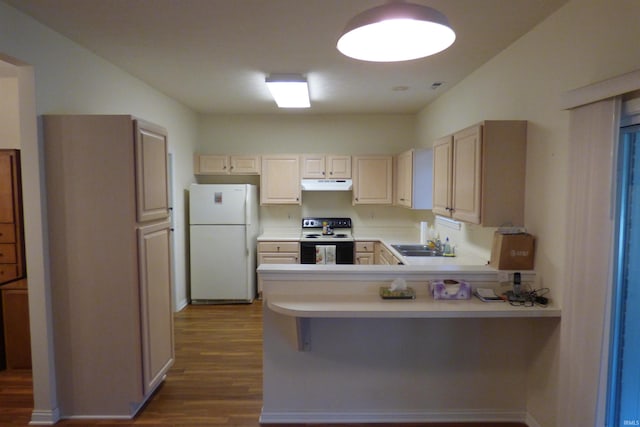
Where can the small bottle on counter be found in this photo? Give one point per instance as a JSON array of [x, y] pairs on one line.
[[447, 247]]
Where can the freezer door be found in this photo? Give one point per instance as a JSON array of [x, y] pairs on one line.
[[217, 204], [219, 260]]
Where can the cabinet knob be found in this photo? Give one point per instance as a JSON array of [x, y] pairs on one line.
[[331, 173], [278, 248]]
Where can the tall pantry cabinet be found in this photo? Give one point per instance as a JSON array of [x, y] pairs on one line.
[[109, 234]]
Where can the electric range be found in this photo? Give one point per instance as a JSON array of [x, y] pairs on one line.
[[332, 235]]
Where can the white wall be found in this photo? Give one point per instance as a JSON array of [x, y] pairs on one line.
[[71, 79], [584, 42]]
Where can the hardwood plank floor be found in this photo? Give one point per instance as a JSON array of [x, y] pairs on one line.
[[216, 379]]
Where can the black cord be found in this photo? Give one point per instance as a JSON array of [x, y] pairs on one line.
[[534, 297]]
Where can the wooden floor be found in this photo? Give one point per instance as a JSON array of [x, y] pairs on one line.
[[216, 379]]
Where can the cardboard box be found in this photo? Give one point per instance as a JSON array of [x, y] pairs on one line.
[[512, 251]]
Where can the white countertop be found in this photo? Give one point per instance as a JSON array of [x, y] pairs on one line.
[[372, 306], [389, 238]]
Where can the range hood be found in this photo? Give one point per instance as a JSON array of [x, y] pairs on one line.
[[326, 184]]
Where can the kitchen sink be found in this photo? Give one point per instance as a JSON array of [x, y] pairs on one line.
[[416, 250]]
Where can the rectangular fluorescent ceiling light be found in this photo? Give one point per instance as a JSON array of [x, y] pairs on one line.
[[289, 90]]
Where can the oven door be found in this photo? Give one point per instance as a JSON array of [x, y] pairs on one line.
[[344, 252]]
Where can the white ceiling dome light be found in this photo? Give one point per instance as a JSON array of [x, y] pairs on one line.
[[396, 31]]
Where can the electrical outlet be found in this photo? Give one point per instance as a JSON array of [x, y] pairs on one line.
[[503, 276]]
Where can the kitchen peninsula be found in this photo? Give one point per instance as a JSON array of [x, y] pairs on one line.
[[335, 352]]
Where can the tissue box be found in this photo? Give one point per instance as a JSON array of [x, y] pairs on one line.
[[450, 289]]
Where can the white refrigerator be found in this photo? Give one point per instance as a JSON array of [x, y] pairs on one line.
[[223, 227]]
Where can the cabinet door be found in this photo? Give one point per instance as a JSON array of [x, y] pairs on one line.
[[15, 311], [278, 258], [404, 179], [155, 303], [280, 180], [313, 166], [364, 258], [442, 176], [338, 166], [373, 180], [467, 178], [245, 165], [7, 195], [207, 164], [152, 186]]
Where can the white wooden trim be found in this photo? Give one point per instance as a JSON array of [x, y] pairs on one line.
[[588, 262], [40, 417], [601, 90], [268, 417]]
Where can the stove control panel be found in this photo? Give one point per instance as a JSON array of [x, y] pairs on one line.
[[331, 222]]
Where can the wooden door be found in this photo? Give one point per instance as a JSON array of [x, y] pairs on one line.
[[313, 166], [208, 164], [442, 175], [373, 180], [467, 175], [280, 180], [338, 167], [245, 165], [404, 176], [152, 186], [155, 303], [15, 319]]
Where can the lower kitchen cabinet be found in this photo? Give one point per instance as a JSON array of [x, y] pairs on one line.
[[384, 256], [365, 253], [277, 252]]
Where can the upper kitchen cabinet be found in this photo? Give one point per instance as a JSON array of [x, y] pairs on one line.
[[479, 174], [321, 166], [110, 267], [414, 179], [152, 184], [237, 164], [372, 180], [280, 180], [12, 265]]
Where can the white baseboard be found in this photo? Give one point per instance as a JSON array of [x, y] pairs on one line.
[[531, 422], [392, 417], [40, 417], [181, 305]]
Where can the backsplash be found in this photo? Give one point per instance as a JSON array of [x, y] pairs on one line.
[[338, 204]]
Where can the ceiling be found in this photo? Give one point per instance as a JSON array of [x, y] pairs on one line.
[[213, 55]]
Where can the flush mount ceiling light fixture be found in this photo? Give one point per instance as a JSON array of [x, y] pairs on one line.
[[396, 31], [289, 90]]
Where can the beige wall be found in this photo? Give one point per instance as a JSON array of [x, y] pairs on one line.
[[584, 42], [307, 133], [70, 79], [312, 133]]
